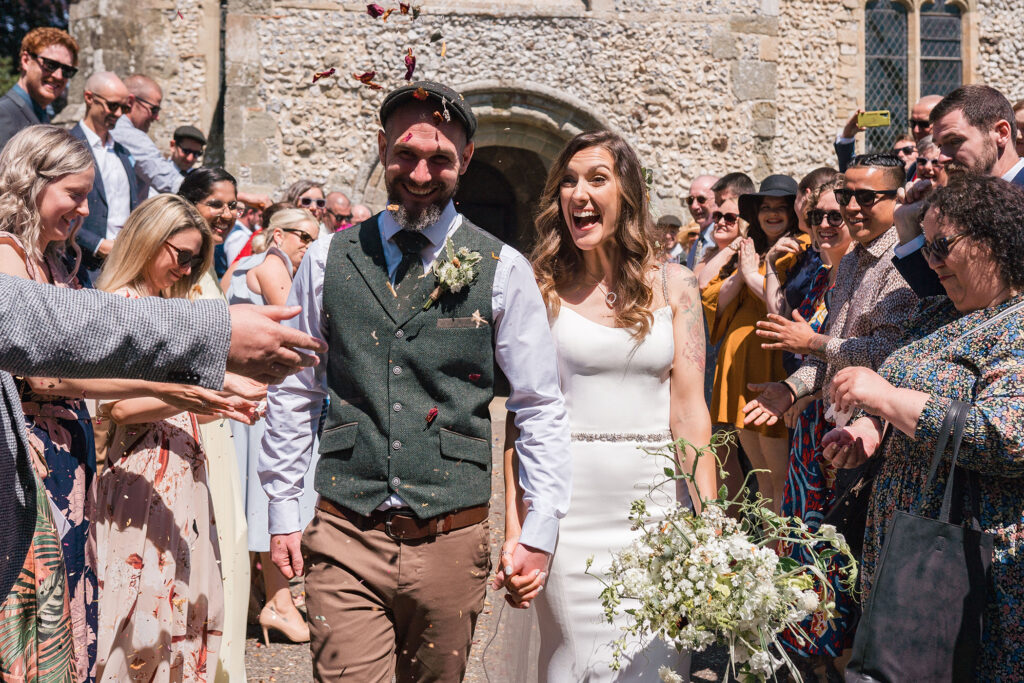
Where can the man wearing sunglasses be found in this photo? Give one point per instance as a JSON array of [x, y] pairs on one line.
[[867, 306], [187, 147], [700, 202], [920, 128], [115, 192], [975, 129], [338, 215], [155, 173], [48, 60]]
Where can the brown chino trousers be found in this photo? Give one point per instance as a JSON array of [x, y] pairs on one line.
[[378, 607]]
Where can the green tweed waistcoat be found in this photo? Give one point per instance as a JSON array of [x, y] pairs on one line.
[[389, 364]]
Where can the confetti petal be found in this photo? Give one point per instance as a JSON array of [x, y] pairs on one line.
[[474, 376], [421, 94], [374, 10], [387, 14], [444, 48], [416, 12], [403, 7], [323, 74], [366, 78], [410, 65], [431, 415]]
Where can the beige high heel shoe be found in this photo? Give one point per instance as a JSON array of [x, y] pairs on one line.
[[294, 629]]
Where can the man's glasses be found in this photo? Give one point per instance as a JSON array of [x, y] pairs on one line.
[[909, 149], [301, 234], [307, 202], [864, 197], [219, 206], [186, 257], [729, 218], [816, 216], [113, 107], [340, 217], [187, 152], [52, 66], [938, 249], [154, 109], [920, 123], [696, 198]]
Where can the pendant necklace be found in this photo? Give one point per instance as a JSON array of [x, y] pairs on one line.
[[610, 297]]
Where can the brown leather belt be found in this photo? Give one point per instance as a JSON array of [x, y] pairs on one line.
[[401, 525]]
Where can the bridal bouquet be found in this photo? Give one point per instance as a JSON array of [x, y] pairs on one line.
[[699, 579]]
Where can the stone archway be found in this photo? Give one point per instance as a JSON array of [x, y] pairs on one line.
[[522, 126]]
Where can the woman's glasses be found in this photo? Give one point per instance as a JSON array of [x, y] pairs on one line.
[[185, 257], [218, 206], [864, 197], [938, 249], [924, 161], [306, 202], [52, 66], [301, 234], [816, 216], [729, 218]]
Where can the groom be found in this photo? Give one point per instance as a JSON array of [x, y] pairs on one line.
[[398, 551]]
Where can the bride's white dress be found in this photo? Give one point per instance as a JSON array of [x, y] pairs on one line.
[[617, 395]]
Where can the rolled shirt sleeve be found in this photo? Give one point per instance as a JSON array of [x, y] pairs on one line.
[[525, 351]]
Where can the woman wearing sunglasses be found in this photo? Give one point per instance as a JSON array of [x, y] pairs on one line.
[[265, 278], [968, 347], [309, 195], [213, 192], [928, 165]]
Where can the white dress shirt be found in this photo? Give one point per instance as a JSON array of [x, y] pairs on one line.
[[524, 350], [236, 241], [115, 180], [156, 174]]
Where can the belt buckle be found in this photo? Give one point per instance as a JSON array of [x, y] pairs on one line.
[[388, 516]]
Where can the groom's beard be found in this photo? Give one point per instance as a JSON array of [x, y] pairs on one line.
[[417, 221]]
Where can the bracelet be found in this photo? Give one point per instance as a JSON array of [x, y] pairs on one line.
[[792, 391], [771, 272]]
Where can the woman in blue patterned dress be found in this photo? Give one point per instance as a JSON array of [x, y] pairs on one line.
[[975, 244]]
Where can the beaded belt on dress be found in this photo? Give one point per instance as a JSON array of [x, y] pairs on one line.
[[645, 437]]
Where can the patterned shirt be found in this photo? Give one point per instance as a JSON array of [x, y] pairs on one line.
[[868, 309]]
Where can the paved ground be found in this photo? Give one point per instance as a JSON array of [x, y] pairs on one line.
[[498, 629]]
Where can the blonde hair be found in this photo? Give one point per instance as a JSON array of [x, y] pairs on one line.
[[260, 242], [148, 228], [33, 159], [558, 262], [289, 218]]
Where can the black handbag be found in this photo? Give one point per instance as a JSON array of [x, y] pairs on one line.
[[923, 619], [849, 512]]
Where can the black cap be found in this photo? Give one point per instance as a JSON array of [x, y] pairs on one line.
[[190, 133], [670, 219], [444, 97], [772, 186]]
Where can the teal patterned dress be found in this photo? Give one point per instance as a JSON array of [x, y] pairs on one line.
[[985, 370]]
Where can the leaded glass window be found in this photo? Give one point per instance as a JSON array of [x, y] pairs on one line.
[[885, 45], [941, 65]]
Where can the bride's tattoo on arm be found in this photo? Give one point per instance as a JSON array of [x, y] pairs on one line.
[[691, 313]]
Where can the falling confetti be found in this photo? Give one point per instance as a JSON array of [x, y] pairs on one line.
[[431, 415], [374, 10], [366, 78], [444, 48], [474, 376], [410, 65], [181, 16], [323, 74], [403, 7], [387, 14]]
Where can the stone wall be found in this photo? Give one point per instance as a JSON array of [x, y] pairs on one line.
[[1001, 46]]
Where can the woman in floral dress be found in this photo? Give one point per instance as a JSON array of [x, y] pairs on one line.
[[970, 348]]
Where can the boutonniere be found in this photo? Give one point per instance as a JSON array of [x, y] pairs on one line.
[[453, 273]]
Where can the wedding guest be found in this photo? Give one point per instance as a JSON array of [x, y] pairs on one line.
[[629, 334], [246, 224], [360, 213], [700, 202], [967, 347], [809, 491], [338, 212], [154, 173], [115, 192], [309, 195], [666, 232], [47, 60], [403, 475], [257, 236], [265, 278], [733, 305], [928, 165], [920, 126], [906, 149], [161, 610], [212, 190], [187, 146]]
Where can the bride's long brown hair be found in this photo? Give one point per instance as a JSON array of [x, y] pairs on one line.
[[558, 262]]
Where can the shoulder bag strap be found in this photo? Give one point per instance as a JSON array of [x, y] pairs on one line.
[[959, 410]]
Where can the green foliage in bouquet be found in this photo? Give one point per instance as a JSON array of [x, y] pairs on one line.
[[715, 577]]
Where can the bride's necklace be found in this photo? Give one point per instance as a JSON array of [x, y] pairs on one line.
[[610, 297]]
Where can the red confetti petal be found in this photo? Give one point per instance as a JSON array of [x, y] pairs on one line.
[[323, 74], [474, 376], [407, 137], [180, 15], [421, 94], [135, 560], [366, 78], [410, 65], [431, 415], [374, 10], [387, 14], [403, 7]]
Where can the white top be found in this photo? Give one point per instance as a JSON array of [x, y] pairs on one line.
[[524, 350], [115, 181], [236, 241]]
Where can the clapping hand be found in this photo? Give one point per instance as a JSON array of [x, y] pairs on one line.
[[749, 263], [523, 571], [787, 335], [851, 446], [774, 400], [785, 245]]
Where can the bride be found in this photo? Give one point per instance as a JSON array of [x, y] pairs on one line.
[[630, 341]]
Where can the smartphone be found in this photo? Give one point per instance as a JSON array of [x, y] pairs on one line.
[[873, 119]]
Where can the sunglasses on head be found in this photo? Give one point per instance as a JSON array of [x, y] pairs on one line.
[[307, 202], [864, 197], [301, 234], [729, 218], [816, 216], [696, 198], [938, 249], [113, 107], [920, 123], [909, 149], [185, 257], [51, 66]]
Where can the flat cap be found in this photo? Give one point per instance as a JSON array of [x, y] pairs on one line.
[[189, 133], [446, 99]]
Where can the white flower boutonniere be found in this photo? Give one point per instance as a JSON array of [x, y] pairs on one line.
[[454, 273]]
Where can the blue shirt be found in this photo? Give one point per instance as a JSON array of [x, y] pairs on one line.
[[42, 114]]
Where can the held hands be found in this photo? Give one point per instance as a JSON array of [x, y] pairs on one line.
[[523, 571], [787, 335], [265, 350], [856, 387], [853, 444], [775, 399], [286, 552]]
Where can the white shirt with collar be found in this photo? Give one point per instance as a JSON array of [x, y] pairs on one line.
[[524, 350], [116, 187]]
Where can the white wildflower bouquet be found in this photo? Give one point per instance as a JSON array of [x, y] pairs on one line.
[[694, 580]]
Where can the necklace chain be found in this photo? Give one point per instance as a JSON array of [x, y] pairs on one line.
[[610, 297]]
